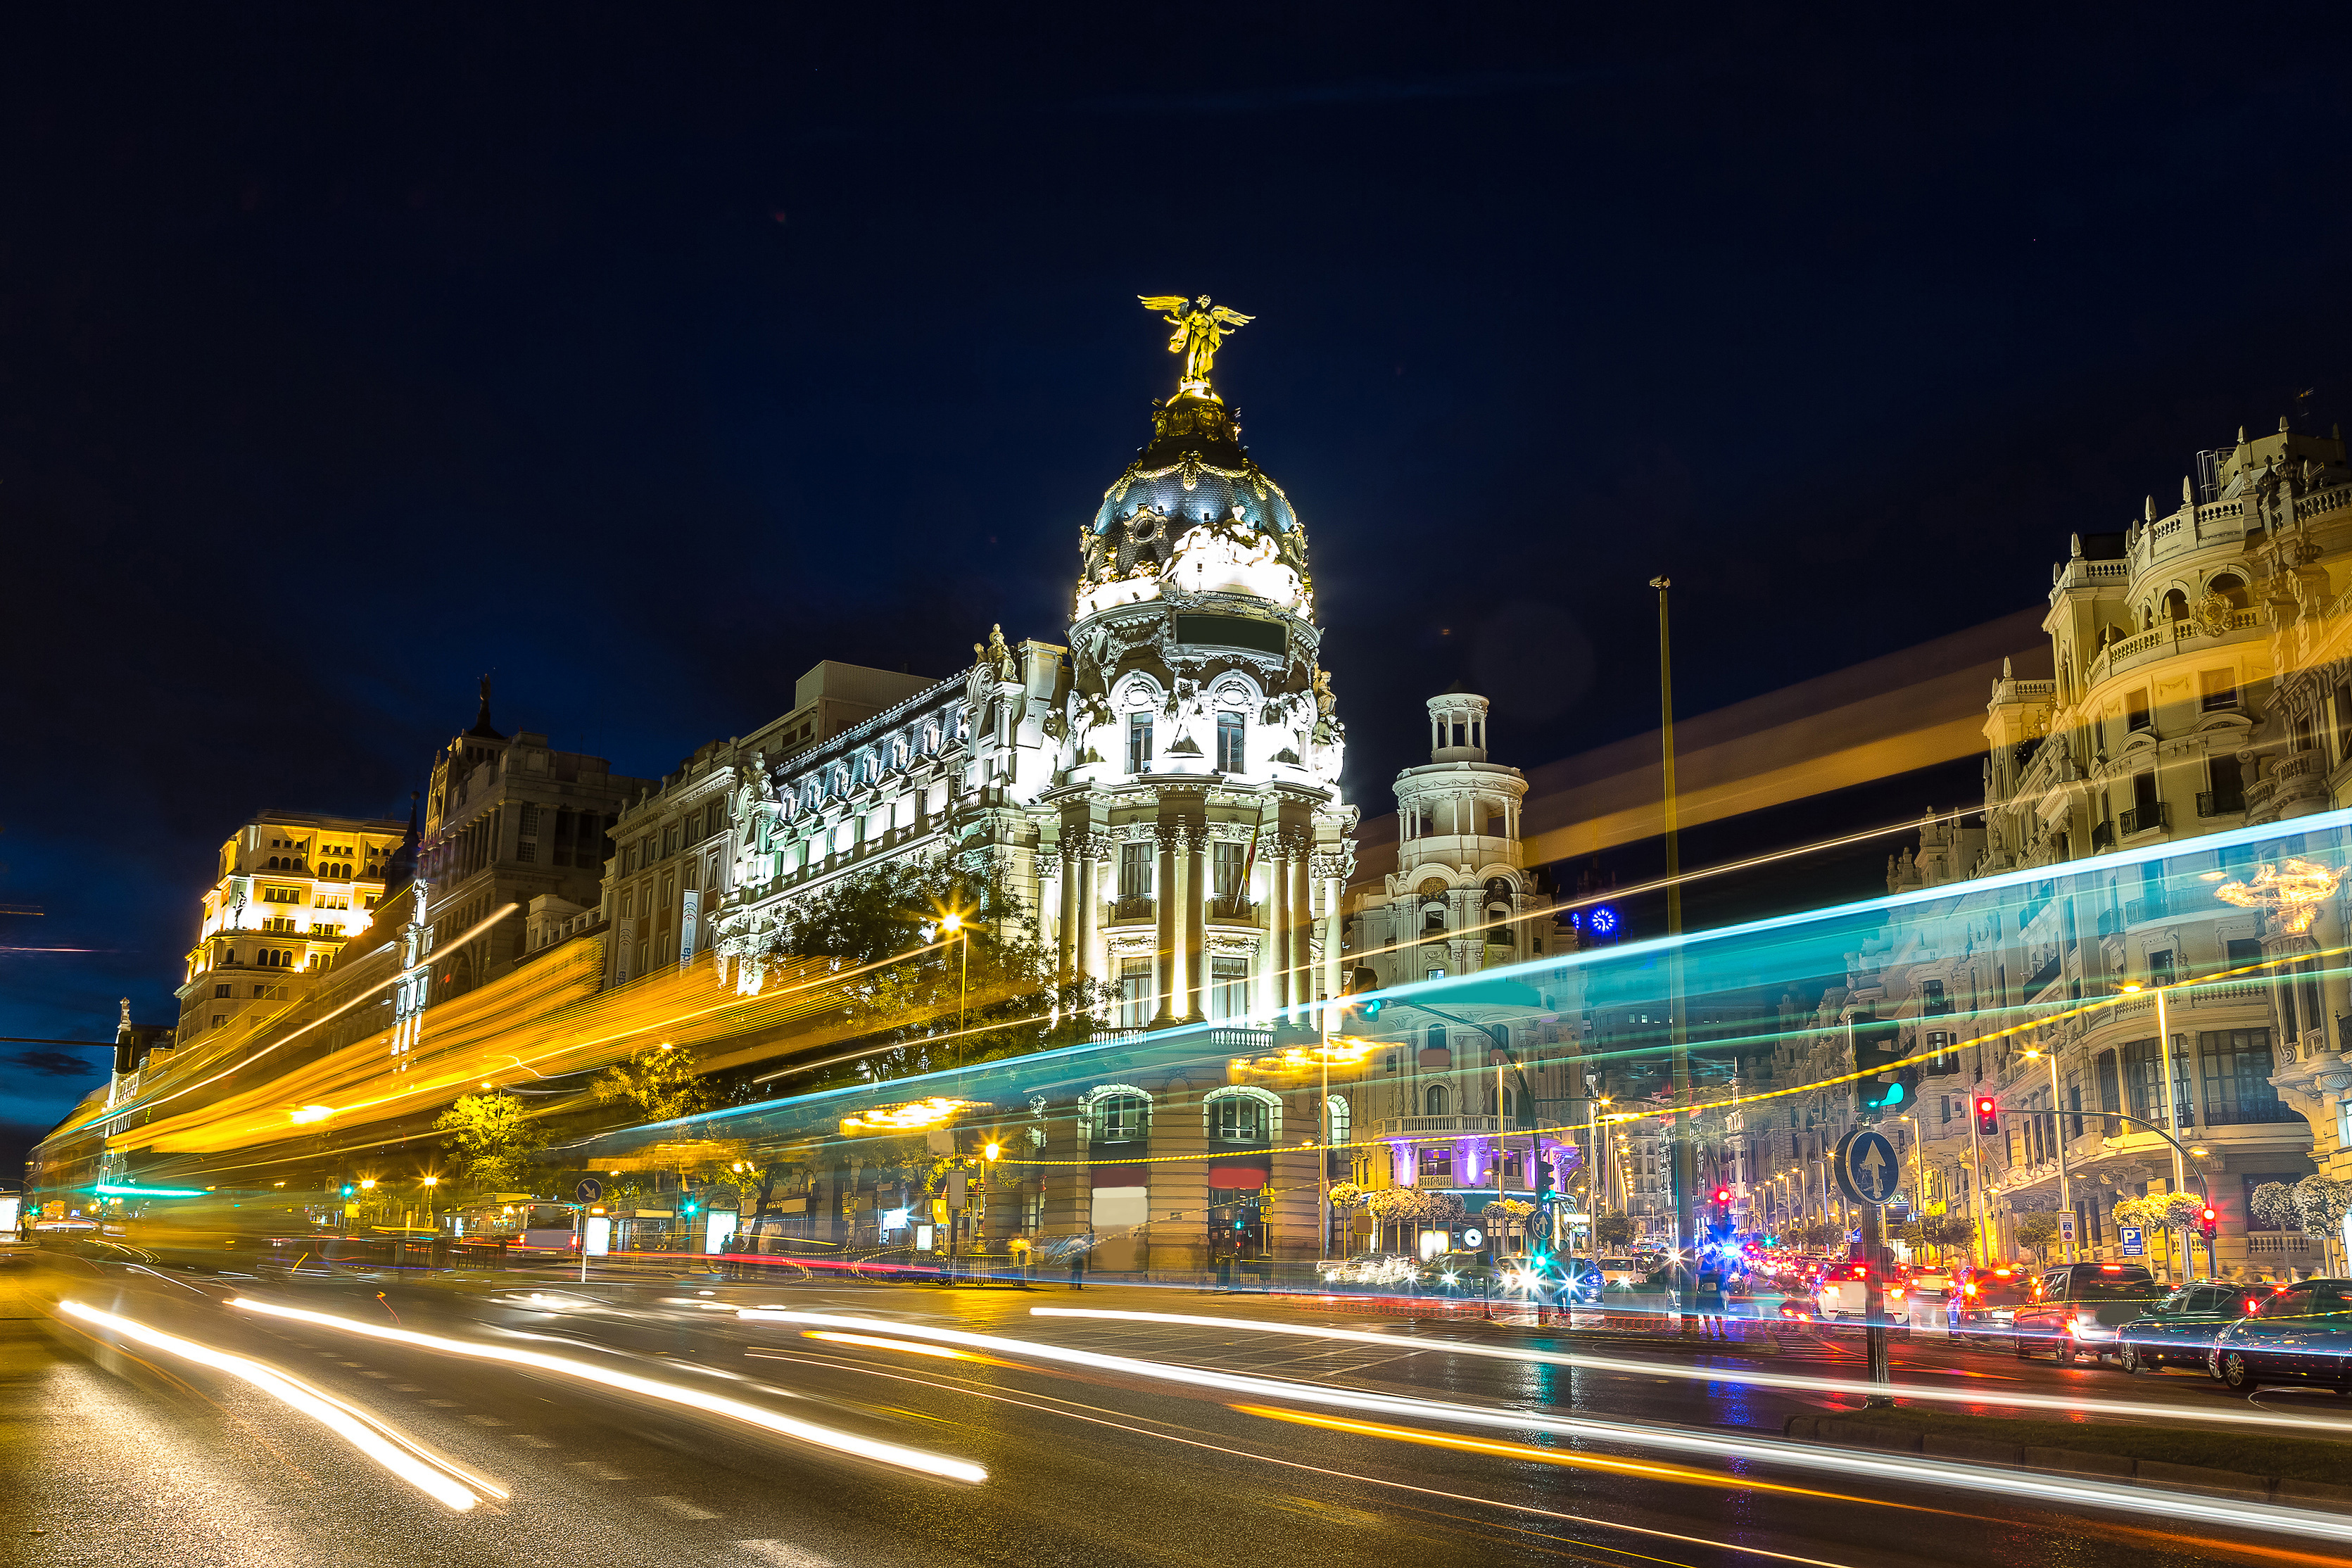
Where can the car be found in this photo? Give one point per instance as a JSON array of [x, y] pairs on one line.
[[1929, 1296], [2298, 1334], [1368, 1270], [1845, 1293], [2180, 1330], [1621, 1272], [2078, 1308], [1985, 1311], [1460, 1274]]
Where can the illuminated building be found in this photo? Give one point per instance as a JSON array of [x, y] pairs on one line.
[[677, 854], [509, 820], [289, 890], [1160, 792], [2196, 663]]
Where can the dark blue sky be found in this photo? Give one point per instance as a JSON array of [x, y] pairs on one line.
[[646, 358]]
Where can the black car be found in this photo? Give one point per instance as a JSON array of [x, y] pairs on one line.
[[2078, 1308], [2179, 1330], [2299, 1335]]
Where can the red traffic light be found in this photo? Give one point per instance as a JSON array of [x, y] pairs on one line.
[[1984, 1108], [1723, 1195]]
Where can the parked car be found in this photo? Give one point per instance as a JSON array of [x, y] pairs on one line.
[[2301, 1334], [2078, 1308], [1461, 1274], [1985, 1309], [2180, 1330]]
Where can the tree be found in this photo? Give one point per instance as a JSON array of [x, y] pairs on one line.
[[1614, 1231], [489, 1139], [2035, 1232], [989, 990], [660, 1083]]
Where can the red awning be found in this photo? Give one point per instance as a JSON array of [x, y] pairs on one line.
[[1236, 1176]]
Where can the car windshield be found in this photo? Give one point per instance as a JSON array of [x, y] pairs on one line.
[[2001, 1293], [2115, 1290]]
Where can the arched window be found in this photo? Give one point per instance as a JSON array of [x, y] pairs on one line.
[[2176, 605], [2147, 619], [1242, 1114], [1336, 1110], [1117, 1114], [2232, 588], [1436, 1036], [1433, 1102]]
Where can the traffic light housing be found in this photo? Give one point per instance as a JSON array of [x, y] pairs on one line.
[[688, 1207], [1875, 1043], [1987, 1116], [1354, 997], [2209, 1224], [349, 1190], [1543, 1179]]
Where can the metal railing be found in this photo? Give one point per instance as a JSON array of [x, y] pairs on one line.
[[1131, 909], [2141, 819], [2221, 803]]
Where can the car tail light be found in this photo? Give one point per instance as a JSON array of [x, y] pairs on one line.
[[2086, 1320]]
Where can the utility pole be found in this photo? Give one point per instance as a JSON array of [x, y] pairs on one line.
[[1679, 1146]]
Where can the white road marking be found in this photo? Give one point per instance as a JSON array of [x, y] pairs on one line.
[[530, 1440], [599, 1470], [784, 1554], [486, 1420]]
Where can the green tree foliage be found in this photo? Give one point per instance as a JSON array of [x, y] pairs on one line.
[[491, 1139], [984, 993], [659, 1083], [2035, 1232], [1614, 1231]]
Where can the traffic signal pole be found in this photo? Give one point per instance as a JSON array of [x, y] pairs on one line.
[[1680, 1153], [1874, 1300]]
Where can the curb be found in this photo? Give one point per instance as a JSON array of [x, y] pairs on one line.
[[1851, 1434]]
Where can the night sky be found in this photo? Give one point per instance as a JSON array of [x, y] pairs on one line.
[[644, 358]]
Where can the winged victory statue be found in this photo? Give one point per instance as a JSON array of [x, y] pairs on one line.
[[1200, 329]]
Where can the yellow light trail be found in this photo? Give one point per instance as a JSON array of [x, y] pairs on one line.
[[906, 1458], [434, 1477], [911, 1347], [1636, 1469]]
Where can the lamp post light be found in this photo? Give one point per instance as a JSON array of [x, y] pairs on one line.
[[954, 926]]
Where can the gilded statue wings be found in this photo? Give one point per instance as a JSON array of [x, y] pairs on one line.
[[1170, 302]]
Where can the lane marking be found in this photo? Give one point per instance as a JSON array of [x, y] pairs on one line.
[[783, 1554], [680, 1507]]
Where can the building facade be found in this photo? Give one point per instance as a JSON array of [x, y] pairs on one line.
[[509, 819], [289, 889]]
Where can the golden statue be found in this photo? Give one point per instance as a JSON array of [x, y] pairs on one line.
[[1200, 333]]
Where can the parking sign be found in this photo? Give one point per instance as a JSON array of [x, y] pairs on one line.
[[2132, 1246]]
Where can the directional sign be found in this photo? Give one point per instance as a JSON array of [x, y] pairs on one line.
[[589, 1190], [2133, 1246], [1866, 1167], [2066, 1227]]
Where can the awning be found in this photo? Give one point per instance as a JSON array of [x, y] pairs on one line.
[[1236, 1176]]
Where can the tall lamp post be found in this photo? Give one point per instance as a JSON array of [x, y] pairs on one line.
[[953, 925], [1679, 1147]]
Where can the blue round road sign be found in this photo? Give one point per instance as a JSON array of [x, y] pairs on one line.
[[589, 1191], [1867, 1168]]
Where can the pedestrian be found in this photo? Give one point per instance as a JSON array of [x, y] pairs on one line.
[[1710, 1301], [1078, 1262]]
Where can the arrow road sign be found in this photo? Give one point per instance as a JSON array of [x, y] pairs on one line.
[[1866, 1167], [589, 1190]]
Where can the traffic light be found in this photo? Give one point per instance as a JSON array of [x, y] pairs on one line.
[[2209, 1224], [1543, 1180], [1987, 1116], [688, 1207], [1722, 1196], [349, 1190], [1366, 1007], [1876, 1040], [1904, 1092]]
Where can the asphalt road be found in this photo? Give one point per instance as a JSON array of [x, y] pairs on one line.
[[120, 1452]]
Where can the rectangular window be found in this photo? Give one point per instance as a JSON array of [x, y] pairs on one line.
[[2244, 950], [529, 821], [1241, 1121], [1226, 870], [1228, 988], [1134, 871], [2143, 1071], [1229, 734], [2218, 689], [221, 992], [1134, 993], [1139, 743], [2159, 967], [2135, 711], [527, 851], [2238, 1068]]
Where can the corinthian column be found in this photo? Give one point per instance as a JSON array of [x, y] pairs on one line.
[[1082, 867], [1302, 956], [1067, 936], [1164, 908], [1278, 930], [1195, 936]]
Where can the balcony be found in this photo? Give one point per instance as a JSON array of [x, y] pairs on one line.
[[1444, 1127], [2111, 923], [2221, 803], [1233, 911], [1130, 909], [2103, 836], [2276, 1110], [2139, 912], [2143, 818]]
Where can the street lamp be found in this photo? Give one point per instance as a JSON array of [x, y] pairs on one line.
[[954, 926]]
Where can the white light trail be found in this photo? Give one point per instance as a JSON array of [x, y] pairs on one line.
[[429, 1474], [1947, 1394], [2014, 1485], [906, 1458]]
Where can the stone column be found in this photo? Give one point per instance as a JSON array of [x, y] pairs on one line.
[[1334, 929], [2328, 934], [1302, 909], [1195, 932], [1277, 932], [1066, 939], [1165, 893], [1082, 867]]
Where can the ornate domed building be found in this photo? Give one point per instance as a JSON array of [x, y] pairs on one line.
[[1162, 792]]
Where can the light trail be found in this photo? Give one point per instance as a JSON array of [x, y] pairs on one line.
[[2013, 1485], [911, 1347], [429, 1473], [1950, 1395], [914, 1459], [1632, 1469]]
